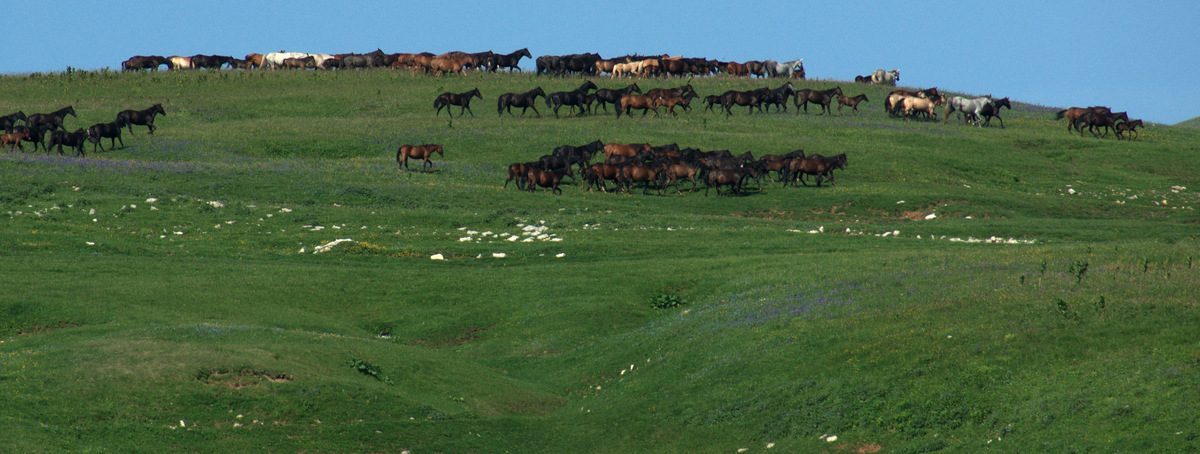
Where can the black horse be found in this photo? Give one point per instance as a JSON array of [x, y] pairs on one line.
[[606, 96], [509, 61], [823, 98], [141, 117], [575, 98], [751, 99], [36, 135], [211, 61], [992, 109], [8, 121], [546, 64], [71, 139], [779, 96], [151, 62], [53, 118], [457, 99], [525, 101], [582, 153], [102, 130]]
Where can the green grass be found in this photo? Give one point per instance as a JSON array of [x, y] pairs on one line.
[[1048, 306]]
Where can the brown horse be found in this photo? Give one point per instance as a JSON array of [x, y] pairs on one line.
[[644, 102], [852, 102], [450, 63], [862, 79], [725, 177], [1073, 113], [671, 102], [635, 172], [546, 179], [626, 150], [457, 99], [151, 62], [597, 174], [14, 139], [675, 170], [520, 172], [823, 98], [254, 61], [423, 152], [1130, 127]]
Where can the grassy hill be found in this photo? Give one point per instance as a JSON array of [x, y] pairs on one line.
[[1193, 123], [960, 288]]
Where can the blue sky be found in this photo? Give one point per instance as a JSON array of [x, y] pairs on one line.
[[1136, 56]]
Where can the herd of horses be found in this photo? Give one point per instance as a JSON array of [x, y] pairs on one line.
[[19, 128], [1100, 118], [628, 165], [455, 62]]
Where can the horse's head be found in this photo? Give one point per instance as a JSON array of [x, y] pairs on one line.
[[71, 110], [475, 93]]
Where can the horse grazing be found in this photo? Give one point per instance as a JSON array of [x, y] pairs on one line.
[[71, 139], [141, 117], [851, 101], [422, 152], [823, 98], [546, 179], [8, 121], [881, 77], [525, 101], [112, 131], [151, 62], [462, 100], [644, 102], [574, 98], [177, 62], [53, 118]]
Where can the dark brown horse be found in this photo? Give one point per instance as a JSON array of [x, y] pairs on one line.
[[597, 174], [750, 99], [519, 171], [1073, 113], [70, 139], [141, 117], [546, 179], [606, 96], [674, 171], [422, 152], [525, 101], [112, 131], [824, 98], [55, 119], [734, 178], [8, 121], [635, 172], [456, 99], [853, 102], [1128, 127], [151, 62]]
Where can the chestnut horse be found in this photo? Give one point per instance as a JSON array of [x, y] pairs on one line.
[[14, 139], [423, 152], [546, 179], [457, 99], [1073, 113], [644, 102]]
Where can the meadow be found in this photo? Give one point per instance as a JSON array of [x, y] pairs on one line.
[[960, 289]]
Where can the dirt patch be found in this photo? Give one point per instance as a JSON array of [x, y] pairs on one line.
[[240, 379]]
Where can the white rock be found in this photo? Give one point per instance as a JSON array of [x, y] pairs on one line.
[[560, 255], [437, 257], [499, 255], [930, 216], [216, 204]]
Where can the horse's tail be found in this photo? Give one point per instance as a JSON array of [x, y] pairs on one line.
[[1060, 114], [500, 105], [548, 105], [399, 153], [439, 102]]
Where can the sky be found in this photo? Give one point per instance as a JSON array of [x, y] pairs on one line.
[[1138, 57]]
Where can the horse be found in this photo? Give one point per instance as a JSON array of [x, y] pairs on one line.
[[712, 100], [631, 68], [1129, 126], [582, 153], [254, 60], [735, 69], [445, 64], [911, 104], [274, 60], [546, 179], [673, 171], [177, 62], [299, 63], [510, 61], [670, 103], [141, 117], [823, 98], [644, 102], [519, 171], [570, 98], [634, 172], [552, 162], [992, 109], [525, 101], [972, 109], [210, 61], [725, 177], [751, 99], [7, 121], [756, 68], [786, 69], [1094, 120], [812, 165], [15, 139], [462, 100], [53, 118], [36, 135], [1073, 113], [112, 131], [862, 79], [356, 61], [71, 139], [881, 77], [626, 150], [422, 152], [853, 102], [779, 96], [606, 96], [151, 62], [597, 174]]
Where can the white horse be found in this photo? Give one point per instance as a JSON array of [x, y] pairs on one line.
[[786, 69], [885, 77], [972, 109], [275, 59], [319, 59]]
